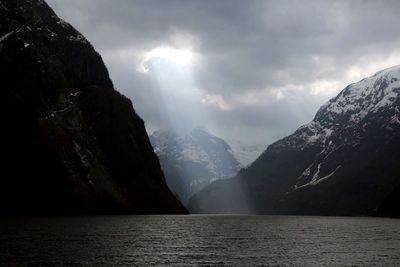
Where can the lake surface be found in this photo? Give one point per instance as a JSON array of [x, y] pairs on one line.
[[200, 241]]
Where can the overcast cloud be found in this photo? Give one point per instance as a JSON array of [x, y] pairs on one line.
[[261, 68]]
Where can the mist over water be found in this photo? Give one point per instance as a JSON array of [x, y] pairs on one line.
[[200, 241]]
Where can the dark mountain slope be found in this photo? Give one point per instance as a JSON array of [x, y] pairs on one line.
[[344, 162], [70, 142], [390, 207]]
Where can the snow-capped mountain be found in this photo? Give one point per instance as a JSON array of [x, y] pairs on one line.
[[353, 109], [344, 121], [193, 159], [245, 153], [345, 161]]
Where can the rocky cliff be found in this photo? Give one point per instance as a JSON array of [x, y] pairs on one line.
[[70, 142]]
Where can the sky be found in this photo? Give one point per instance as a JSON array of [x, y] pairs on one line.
[[252, 71]]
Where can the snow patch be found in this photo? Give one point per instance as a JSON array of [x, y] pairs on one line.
[[76, 93], [395, 119], [315, 179], [4, 37], [82, 156]]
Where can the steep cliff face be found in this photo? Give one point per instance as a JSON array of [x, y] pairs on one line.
[[344, 162], [71, 143]]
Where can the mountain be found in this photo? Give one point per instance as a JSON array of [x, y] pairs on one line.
[[245, 153], [71, 144], [344, 162], [193, 159]]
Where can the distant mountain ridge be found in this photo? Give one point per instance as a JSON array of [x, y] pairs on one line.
[[71, 144], [193, 159], [245, 153], [344, 162]]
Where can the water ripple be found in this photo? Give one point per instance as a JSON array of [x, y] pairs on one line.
[[199, 241]]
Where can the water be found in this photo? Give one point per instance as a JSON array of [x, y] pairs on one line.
[[199, 241]]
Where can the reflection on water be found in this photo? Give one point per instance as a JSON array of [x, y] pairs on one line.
[[199, 241]]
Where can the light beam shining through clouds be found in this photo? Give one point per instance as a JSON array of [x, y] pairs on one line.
[[261, 68], [183, 105], [172, 77], [183, 57]]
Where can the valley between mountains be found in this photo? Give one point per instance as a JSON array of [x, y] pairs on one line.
[[72, 144]]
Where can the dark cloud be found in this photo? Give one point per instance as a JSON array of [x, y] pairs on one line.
[[263, 66]]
